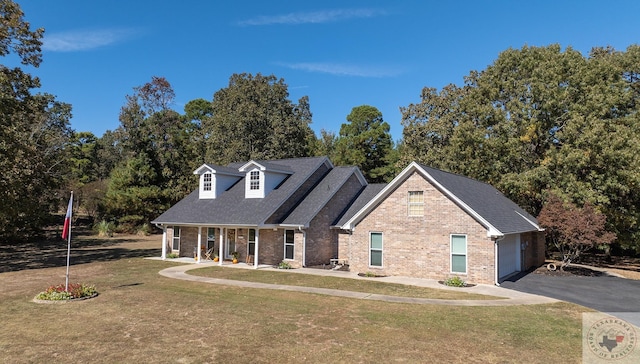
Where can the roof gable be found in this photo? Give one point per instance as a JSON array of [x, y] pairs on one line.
[[498, 214], [218, 170], [266, 166], [320, 196]]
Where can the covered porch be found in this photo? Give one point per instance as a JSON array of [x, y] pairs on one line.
[[251, 245]]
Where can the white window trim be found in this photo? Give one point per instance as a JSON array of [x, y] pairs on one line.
[[381, 250], [207, 181], [254, 180], [409, 204], [293, 244], [466, 254], [174, 237], [258, 192]]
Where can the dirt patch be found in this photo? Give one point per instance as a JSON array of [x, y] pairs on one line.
[[568, 271], [342, 268], [463, 286], [371, 275]]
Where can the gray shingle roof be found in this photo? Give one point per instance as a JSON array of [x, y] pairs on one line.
[[367, 194], [486, 200], [223, 169], [319, 196], [232, 208], [479, 198]]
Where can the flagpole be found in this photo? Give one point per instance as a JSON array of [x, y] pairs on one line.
[[66, 283]]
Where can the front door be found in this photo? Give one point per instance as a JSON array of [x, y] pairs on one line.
[[251, 246], [230, 243]]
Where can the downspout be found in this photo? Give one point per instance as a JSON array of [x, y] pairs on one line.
[[304, 246], [164, 241], [495, 260]]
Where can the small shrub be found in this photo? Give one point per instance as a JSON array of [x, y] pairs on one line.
[[284, 265], [144, 230], [105, 228], [172, 255], [369, 274], [454, 282], [58, 292]]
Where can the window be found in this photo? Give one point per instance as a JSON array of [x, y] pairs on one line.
[[211, 237], [176, 238], [254, 180], [206, 182], [288, 244], [252, 242], [458, 254], [375, 250], [416, 203]]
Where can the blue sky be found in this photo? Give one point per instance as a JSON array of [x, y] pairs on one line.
[[341, 54]]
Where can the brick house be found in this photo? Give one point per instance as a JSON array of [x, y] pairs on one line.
[[433, 224], [305, 211]]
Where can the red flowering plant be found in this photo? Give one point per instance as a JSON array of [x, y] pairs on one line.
[[59, 293]]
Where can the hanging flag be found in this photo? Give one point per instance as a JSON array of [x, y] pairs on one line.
[[67, 219]]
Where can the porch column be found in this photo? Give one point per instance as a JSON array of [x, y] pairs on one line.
[[220, 246], [164, 243], [199, 258], [255, 253]]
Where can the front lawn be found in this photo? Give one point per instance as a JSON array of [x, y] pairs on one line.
[[346, 284], [143, 317]]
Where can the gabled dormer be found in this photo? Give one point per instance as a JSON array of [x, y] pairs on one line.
[[262, 178], [214, 180]]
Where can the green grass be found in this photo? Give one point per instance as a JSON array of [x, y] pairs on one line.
[[346, 284], [143, 317]]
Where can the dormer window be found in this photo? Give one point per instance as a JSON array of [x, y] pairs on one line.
[[206, 182], [260, 178], [215, 180], [254, 180]]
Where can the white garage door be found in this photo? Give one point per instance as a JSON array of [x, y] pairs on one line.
[[508, 255]]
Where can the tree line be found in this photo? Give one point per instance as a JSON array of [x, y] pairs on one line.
[[537, 122]]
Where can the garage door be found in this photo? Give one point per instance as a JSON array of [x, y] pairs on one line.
[[508, 256]]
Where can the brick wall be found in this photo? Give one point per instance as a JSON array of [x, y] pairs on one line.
[[271, 246], [420, 246], [189, 241], [322, 242]]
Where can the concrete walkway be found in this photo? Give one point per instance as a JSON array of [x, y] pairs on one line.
[[509, 297]]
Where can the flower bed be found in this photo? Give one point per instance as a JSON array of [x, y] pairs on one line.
[[57, 293]]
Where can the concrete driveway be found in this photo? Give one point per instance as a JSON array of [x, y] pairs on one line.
[[604, 293]]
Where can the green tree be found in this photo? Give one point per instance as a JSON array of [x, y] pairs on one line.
[[365, 142], [83, 158], [134, 195], [326, 144], [254, 119], [155, 140], [197, 113], [537, 119], [33, 132]]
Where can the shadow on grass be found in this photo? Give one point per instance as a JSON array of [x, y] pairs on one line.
[[53, 252]]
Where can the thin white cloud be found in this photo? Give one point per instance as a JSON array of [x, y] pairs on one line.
[[82, 40], [315, 17], [343, 69]]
